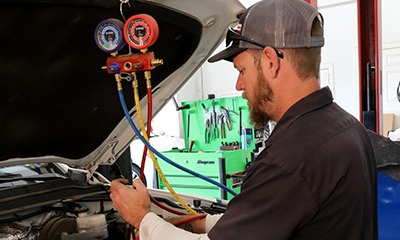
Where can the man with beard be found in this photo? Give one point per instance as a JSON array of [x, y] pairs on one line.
[[316, 177]]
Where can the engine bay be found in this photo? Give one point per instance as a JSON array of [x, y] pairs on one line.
[[47, 201], [90, 219]]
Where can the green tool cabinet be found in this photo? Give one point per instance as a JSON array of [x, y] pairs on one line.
[[221, 157], [221, 166]]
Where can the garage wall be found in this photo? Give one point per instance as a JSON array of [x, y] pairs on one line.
[[339, 67], [339, 64], [339, 70], [390, 62]]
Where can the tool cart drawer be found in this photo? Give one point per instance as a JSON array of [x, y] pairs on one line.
[[219, 166]]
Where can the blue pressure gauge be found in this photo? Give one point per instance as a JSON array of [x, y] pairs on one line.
[[109, 35]]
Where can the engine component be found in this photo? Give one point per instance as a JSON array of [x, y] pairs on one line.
[[57, 227], [95, 224]]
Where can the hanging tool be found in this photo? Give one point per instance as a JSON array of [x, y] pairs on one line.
[[214, 121], [188, 126], [222, 126], [240, 123], [178, 108], [140, 31], [228, 120], [108, 39], [208, 132], [204, 107], [191, 145], [132, 63], [213, 111]]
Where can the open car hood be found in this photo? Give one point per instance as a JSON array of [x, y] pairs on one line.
[[59, 105]]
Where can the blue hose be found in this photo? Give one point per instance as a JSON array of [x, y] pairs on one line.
[[128, 117]]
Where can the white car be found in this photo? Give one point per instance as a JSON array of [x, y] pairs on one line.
[[63, 131]]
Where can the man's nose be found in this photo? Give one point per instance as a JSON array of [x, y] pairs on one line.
[[239, 84]]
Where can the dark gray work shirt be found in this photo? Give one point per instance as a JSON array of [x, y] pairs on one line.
[[315, 179]]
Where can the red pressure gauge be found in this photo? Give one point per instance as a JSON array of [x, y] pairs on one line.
[[141, 31]]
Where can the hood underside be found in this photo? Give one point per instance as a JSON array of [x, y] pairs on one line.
[[55, 98]]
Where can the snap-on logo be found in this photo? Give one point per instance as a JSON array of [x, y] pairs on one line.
[[205, 162]]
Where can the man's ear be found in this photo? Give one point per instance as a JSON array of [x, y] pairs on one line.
[[272, 61]]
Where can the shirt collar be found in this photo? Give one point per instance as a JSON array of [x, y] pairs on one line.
[[307, 104]]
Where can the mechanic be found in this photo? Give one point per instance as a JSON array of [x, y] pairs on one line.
[[316, 177]]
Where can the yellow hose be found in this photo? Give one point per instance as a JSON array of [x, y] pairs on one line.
[[156, 165]]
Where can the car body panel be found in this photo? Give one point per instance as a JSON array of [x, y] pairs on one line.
[[60, 116], [58, 105]]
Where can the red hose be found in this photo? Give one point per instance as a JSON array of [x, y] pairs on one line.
[[189, 219], [149, 119], [143, 163], [162, 206]]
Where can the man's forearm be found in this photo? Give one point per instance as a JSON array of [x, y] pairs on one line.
[[153, 227]]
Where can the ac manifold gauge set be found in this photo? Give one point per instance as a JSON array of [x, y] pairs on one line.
[[139, 32]]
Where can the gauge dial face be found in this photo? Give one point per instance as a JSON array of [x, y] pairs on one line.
[[141, 31], [109, 36]]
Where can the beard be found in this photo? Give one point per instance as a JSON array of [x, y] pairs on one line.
[[262, 97]]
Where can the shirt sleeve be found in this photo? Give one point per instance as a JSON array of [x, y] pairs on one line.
[[153, 227], [273, 202], [211, 220]]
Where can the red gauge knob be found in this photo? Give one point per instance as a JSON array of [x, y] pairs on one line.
[[141, 31]]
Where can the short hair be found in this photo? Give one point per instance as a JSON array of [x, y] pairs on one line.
[[307, 61]]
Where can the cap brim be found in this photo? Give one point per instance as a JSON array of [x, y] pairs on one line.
[[228, 54]]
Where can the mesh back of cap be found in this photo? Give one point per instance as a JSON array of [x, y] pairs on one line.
[[281, 24]]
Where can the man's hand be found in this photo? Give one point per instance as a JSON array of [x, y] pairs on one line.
[[132, 203]]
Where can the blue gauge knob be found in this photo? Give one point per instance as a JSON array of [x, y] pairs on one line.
[[109, 35]]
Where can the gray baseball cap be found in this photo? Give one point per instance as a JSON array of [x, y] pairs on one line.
[[274, 23]]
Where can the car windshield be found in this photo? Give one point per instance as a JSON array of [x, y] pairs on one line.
[[28, 173]]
